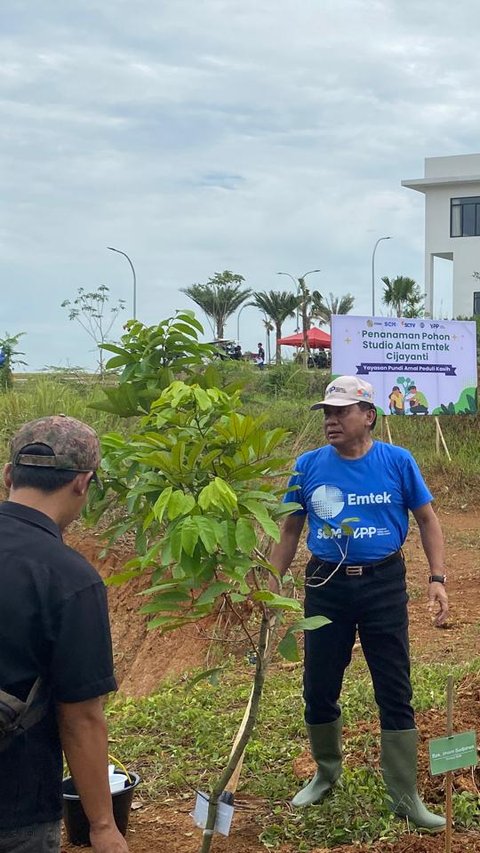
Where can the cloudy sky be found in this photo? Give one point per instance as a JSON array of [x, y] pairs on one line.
[[203, 135]]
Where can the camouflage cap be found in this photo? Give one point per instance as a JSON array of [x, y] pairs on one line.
[[74, 445]]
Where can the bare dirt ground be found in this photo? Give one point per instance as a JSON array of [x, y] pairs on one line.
[[166, 827]]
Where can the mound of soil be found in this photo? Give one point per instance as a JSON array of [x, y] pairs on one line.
[[143, 659]]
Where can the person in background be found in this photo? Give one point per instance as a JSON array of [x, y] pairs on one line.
[[356, 494], [53, 626], [260, 357]]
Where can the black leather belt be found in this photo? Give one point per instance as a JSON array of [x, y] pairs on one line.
[[350, 569]]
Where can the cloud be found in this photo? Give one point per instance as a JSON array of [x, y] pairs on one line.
[[199, 136]]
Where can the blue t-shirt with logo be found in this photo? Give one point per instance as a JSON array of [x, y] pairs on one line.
[[371, 496]]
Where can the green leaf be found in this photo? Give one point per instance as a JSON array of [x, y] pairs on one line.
[[166, 601], [180, 504], [116, 349], [210, 674], [122, 577], [227, 538], [203, 400], [270, 527], [161, 503], [226, 492], [160, 587], [207, 529], [116, 361], [274, 600], [237, 597], [212, 592], [209, 496], [245, 536], [189, 536], [288, 647], [310, 623], [169, 623]]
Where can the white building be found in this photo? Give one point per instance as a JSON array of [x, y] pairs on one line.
[[452, 226]]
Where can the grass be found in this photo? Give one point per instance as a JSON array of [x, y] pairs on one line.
[[39, 396], [179, 739]]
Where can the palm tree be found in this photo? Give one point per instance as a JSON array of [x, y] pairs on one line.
[[403, 295], [219, 298], [322, 309], [269, 327], [278, 306]]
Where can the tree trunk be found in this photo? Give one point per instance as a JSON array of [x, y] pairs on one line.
[[278, 352], [265, 644]]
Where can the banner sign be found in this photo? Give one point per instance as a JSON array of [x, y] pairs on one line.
[[453, 753], [417, 366]]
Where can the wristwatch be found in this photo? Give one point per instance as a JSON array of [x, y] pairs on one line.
[[437, 578]]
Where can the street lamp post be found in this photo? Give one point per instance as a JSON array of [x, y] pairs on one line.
[[248, 305], [119, 251], [303, 290], [295, 281], [373, 271]]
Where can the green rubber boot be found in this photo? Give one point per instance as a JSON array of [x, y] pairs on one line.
[[399, 767], [326, 746]]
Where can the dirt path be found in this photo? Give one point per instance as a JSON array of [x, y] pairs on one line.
[[166, 827]]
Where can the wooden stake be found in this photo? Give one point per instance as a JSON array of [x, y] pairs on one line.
[[439, 437], [233, 781], [387, 427], [449, 776]]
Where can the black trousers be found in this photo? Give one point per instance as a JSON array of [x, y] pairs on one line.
[[375, 604]]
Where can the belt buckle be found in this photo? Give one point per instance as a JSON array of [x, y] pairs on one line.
[[354, 571]]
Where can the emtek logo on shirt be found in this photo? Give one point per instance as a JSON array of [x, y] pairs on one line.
[[329, 501], [371, 498]]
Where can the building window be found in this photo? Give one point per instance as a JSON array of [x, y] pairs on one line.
[[465, 217], [476, 302]]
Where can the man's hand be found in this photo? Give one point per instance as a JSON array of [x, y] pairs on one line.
[[437, 596], [108, 840]]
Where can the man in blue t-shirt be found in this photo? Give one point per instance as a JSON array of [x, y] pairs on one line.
[[356, 494]]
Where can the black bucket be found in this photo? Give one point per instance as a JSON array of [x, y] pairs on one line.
[[75, 819]]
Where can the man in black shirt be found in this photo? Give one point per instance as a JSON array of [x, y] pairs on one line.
[[260, 356], [53, 625]]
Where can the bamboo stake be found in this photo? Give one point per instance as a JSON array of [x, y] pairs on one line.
[[449, 776], [387, 427], [441, 437], [233, 782], [268, 631]]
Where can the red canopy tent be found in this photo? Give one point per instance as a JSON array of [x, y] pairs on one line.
[[316, 339]]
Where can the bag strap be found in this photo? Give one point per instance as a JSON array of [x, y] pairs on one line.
[[23, 714]]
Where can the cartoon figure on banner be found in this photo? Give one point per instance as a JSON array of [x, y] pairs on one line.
[[417, 401], [396, 401]]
